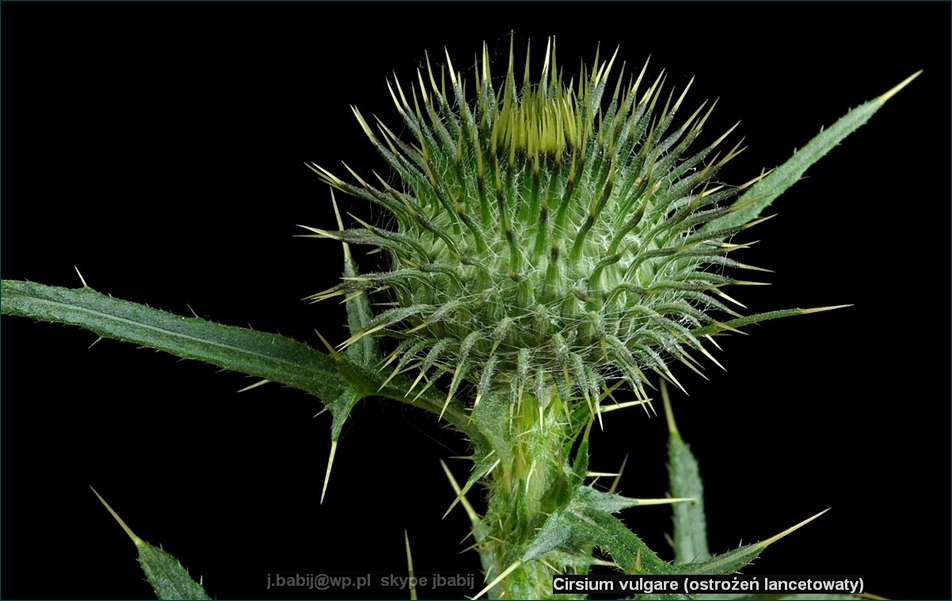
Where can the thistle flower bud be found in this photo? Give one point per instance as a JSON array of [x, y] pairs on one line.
[[548, 234]]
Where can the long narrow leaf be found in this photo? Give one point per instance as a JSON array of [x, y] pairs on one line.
[[690, 524], [268, 356], [365, 351], [732, 561], [337, 381], [781, 178]]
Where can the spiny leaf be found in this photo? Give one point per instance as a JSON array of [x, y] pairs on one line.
[[733, 324], [732, 561], [690, 525], [484, 462], [267, 356], [165, 574], [770, 187], [586, 521], [365, 351], [338, 381]]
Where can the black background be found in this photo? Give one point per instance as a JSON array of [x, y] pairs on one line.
[[160, 148]]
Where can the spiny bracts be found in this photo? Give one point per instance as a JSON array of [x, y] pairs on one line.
[[543, 241]]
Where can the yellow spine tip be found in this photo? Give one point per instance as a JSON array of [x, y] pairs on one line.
[[135, 539], [820, 309], [882, 99], [327, 474], [777, 537], [85, 285]]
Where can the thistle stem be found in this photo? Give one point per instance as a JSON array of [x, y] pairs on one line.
[[523, 491]]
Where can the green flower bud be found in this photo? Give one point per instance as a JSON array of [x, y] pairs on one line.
[[548, 234]]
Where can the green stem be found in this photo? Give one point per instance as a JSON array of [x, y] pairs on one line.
[[525, 488]]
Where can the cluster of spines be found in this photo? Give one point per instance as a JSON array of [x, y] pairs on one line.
[[542, 241]]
